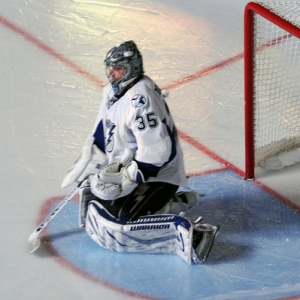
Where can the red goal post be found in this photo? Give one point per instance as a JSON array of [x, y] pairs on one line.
[[272, 79]]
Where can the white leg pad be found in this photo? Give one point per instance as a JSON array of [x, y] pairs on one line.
[[168, 234]]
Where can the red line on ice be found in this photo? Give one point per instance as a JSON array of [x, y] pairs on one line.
[[210, 153], [30, 38], [206, 71]]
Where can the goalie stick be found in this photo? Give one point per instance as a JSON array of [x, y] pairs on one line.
[[34, 240]]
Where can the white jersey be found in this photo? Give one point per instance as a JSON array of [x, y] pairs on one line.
[[140, 121]]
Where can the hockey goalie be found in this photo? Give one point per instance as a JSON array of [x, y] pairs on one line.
[[134, 163]]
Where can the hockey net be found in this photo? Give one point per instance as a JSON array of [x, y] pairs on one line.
[[272, 82]]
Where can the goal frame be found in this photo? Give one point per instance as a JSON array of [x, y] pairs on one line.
[[251, 9]]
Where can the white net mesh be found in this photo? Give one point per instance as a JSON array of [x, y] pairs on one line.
[[276, 83]]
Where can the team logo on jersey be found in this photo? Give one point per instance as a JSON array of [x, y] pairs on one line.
[[109, 144], [138, 100]]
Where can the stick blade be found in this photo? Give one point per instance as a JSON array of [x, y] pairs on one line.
[[33, 243]]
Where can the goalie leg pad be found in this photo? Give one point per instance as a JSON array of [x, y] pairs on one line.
[[168, 234], [85, 196]]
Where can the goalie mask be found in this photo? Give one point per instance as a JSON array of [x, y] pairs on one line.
[[126, 60]]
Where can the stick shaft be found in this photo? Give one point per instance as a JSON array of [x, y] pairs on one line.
[[39, 229]]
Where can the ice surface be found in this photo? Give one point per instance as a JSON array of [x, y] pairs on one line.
[[51, 56]]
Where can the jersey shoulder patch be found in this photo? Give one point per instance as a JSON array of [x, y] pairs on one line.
[[138, 100]]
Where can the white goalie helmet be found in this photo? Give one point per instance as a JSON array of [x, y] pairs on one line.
[[125, 55]]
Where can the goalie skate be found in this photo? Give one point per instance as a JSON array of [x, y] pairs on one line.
[[203, 239]]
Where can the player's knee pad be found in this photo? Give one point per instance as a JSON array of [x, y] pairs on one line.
[[169, 234]]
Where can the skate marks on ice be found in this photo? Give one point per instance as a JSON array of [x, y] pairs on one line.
[[255, 251]]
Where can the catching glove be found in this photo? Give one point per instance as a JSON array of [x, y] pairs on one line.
[[116, 180]]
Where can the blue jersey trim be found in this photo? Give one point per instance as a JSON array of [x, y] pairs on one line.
[[99, 136], [150, 170]]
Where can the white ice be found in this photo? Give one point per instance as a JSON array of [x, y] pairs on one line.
[[48, 107]]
